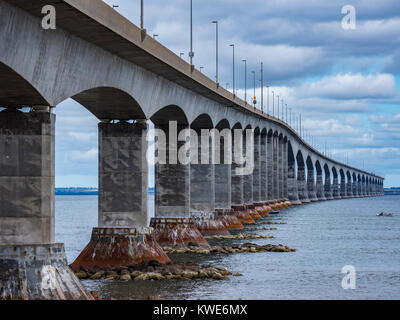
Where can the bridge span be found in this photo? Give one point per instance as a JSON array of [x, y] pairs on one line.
[[125, 78]]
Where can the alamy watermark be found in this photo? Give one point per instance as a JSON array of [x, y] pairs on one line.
[[349, 21], [349, 280], [189, 146]]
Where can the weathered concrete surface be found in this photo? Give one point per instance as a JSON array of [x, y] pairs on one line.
[[38, 272], [115, 247], [177, 232], [123, 175], [26, 177]]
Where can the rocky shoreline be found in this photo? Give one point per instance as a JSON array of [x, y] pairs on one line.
[[247, 247]]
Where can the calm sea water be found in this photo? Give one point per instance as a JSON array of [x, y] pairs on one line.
[[327, 235]]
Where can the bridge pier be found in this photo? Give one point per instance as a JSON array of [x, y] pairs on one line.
[[312, 195], [302, 184], [320, 187], [336, 193], [32, 266], [173, 225], [239, 182], [257, 185], [202, 191], [327, 187], [122, 236], [292, 184], [264, 175], [223, 187], [343, 191]]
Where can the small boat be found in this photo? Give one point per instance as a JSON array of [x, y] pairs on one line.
[[384, 214], [274, 212]]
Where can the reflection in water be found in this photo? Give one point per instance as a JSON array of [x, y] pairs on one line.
[[327, 235]]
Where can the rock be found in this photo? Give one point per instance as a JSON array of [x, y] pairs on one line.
[[238, 274], [111, 277], [111, 273], [134, 274], [81, 275], [189, 275], [98, 275], [142, 277], [224, 272], [125, 277], [202, 275], [155, 276]]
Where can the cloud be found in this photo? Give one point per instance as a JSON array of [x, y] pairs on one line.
[[352, 86]]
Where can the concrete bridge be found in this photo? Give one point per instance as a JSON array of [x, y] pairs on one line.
[[124, 78]]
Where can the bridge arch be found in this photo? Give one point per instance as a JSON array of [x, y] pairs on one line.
[[17, 91]]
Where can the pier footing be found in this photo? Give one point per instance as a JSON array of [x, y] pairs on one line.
[[38, 272], [115, 247], [177, 232]]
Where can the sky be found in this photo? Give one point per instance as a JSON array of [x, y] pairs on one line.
[[345, 83]]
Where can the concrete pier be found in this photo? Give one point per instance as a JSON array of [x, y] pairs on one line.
[[302, 183], [312, 195], [32, 266], [173, 223], [320, 186], [292, 183], [122, 236]]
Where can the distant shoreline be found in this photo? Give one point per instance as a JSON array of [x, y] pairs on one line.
[[82, 191]]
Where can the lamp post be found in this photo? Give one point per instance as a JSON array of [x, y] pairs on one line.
[[181, 54], [141, 15], [278, 106], [155, 35], [233, 85], [245, 80], [262, 87], [283, 109], [273, 103], [216, 50], [286, 113], [254, 92], [268, 100], [290, 114], [191, 53]]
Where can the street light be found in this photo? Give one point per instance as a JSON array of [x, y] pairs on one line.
[[283, 108], [268, 100], [191, 53], [278, 106], [115, 6], [290, 113], [233, 83], [216, 65], [273, 103], [201, 68], [254, 97], [181, 54], [245, 80], [262, 87], [286, 113], [155, 35]]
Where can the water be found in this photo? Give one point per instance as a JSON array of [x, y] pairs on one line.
[[327, 235]]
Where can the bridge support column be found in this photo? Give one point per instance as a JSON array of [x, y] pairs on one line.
[[173, 224], [336, 193], [292, 184], [280, 168], [312, 195], [275, 183], [32, 266], [238, 184], [270, 168], [264, 174], [328, 187], [248, 177], [285, 172], [257, 187], [122, 236], [223, 186], [302, 184], [202, 190], [320, 187], [354, 189], [343, 191]]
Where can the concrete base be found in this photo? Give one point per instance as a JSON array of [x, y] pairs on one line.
[[115, 247], [253, 212], [38, 272], [243, 215], [177, 232], [211, 227], [229, 219]]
